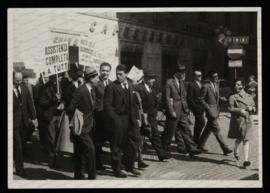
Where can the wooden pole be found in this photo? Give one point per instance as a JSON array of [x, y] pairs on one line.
[[57, 83], [235, 73]]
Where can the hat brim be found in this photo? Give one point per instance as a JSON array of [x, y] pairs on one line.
[[91, 75]]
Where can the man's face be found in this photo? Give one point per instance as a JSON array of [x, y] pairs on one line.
[[198, 76], [214, 77], [94, 80], [181, 75], [105, 72], [17, 79], [25, 81], [150, 81], [121, 76], [238, 86]]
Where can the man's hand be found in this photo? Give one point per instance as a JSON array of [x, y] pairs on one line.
[[224, 99], [174, 115], [58, 96], [244, 113], [139, 123], [35, 122], [61, 106]]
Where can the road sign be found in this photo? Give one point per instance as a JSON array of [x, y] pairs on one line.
[[235, 63], [235, 52]]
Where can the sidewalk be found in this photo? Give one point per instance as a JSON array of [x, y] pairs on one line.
[[211, 166]]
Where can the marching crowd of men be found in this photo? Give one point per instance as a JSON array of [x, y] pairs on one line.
[[100, 110]]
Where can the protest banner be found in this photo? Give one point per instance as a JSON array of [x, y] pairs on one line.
[[56, 58], [135, 74]]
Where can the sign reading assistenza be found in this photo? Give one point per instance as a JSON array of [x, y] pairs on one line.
[[56, 58]]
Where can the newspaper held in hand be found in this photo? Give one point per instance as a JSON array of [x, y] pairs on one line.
[[135, 74]]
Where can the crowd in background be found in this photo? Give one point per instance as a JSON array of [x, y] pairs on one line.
[[80, 110]]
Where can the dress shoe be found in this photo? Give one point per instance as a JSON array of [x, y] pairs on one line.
[[119, 174], [236, 156], [182, 151], [195, 152], [165, 156], [246, 164], [134, 172], [227, 152], [22, 173], [204, 150], [142, 164]]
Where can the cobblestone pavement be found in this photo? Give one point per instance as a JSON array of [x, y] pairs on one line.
[[209, 166]]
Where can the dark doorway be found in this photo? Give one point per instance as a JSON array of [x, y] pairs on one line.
[[199, 63], [73, 54], [131, 58], [169, 62]]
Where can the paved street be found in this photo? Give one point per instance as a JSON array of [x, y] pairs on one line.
[[211, 166]]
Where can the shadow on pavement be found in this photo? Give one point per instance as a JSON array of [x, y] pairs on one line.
[[43, 174]]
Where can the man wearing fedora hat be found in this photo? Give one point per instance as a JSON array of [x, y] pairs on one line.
[[177, 115], [122, 113], [84, 100], [150, 107]]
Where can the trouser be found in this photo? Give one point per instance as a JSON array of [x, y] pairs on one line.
[[18, 149], [213, 126], [42, 125], [101, 134], [52, 135], [125, 141], [84, 154], [198, 126], [183, 136], [155, 138]]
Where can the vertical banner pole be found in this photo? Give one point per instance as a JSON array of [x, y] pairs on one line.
[[235, 73], [57, 82]]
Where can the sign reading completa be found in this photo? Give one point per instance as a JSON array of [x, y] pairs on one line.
[[56, 58]]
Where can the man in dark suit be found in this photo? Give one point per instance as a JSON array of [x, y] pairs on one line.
[[194, 91], [209, 98], [23, 115], [101, 133], [150, 107], [177, 115], [49, 102], [121, 112], [84, 100]]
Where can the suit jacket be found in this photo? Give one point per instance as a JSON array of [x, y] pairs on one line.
[[84, 102], [114, 102], [176, 99], [237, 102], [100, 90], [193, 96], [68, 89], [25, 111], [148, 99], [48, 102], [210, 100]]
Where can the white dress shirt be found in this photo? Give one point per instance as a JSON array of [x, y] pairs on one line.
[[123, 84], [147, 88], [15, 90]]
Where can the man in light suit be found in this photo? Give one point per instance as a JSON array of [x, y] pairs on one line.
[[121, 112], [177, 115], [101, 133], [194, 91], [84, 100], [24, 114], [209, 98]]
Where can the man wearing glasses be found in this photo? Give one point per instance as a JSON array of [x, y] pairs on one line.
[[209, 98], [196, 107]]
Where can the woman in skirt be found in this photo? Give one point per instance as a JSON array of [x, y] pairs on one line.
[[241, 105]]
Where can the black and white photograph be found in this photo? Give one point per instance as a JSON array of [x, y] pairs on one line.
[[134, 97]]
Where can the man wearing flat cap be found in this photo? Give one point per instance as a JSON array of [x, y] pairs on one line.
[[84, 101], [150, 107], [177, 112]]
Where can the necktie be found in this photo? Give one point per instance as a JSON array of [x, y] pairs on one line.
[[19, 94], [125, 86]]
